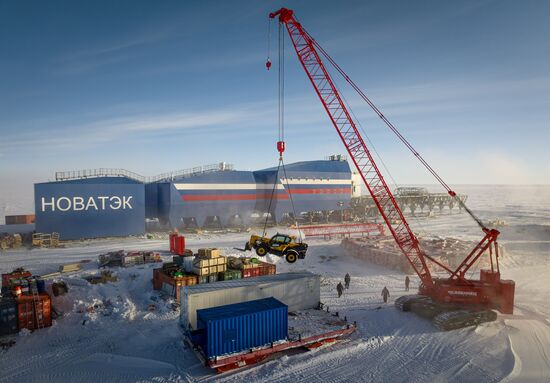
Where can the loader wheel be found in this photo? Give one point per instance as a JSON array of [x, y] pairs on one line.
[[291, 256], [261, 251]]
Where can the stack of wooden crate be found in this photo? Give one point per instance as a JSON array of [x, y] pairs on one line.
[[209, 261]]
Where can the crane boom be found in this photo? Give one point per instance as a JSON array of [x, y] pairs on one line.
[[358, 151]]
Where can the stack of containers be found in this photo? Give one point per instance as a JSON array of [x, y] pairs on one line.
[[208, 264], [32, 312]]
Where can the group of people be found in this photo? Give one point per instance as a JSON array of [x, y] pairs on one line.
[[385, 292], [340, 287]]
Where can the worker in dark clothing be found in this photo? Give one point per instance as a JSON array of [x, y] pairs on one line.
[[385, 294], [407, 282], [340, 289], [347, 279]]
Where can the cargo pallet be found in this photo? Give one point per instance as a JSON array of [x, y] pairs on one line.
[[234, 361]]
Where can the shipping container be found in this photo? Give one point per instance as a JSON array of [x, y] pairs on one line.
[[24, 219], [242, 326], [90, 207], [8, 316], [31, 317], [298, 290]]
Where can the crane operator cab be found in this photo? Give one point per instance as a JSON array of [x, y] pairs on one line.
[[282, 245]]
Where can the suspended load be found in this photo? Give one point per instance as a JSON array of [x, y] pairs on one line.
[[282, 245]]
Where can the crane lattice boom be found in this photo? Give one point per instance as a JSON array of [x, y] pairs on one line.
[[359, 153]]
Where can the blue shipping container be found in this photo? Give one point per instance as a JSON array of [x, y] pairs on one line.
[[8, 316], [242, 326]]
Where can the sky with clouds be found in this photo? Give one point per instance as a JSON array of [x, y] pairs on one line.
[[160, 86]]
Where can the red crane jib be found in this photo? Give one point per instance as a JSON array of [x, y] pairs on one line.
[[485, 292]]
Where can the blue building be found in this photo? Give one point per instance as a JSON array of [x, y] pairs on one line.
[[115, 202], [90, 207]]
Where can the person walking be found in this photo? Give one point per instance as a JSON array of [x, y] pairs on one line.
[[347, 279], [385, 294], [407, 282], [340, 289]]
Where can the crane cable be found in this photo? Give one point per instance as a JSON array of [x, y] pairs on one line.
[[394, 130], [281, 126], [281, 85]]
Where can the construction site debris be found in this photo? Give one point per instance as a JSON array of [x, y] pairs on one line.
[[69, 268], [59, 288], [384, 251], [127, 259], [10, 241], [104, 277], [45, 240]]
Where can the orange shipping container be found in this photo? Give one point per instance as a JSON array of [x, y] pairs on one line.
[[31, 317], [19, 219]]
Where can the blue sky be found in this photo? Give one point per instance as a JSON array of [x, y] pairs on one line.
[[159, 86]]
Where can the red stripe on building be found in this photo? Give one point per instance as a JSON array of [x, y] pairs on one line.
[[251, 197]]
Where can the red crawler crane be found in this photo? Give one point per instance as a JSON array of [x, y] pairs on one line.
[[440, 298]]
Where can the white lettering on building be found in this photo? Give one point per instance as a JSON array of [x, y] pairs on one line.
[[78, 203], [50, 204], [83, 204], [63, 204], [115, 202], [91, 203], [126, 202]]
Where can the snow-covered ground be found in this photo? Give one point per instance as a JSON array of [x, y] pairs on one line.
[[122, 341]]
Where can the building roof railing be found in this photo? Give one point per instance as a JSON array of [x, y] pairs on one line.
[[222, 166], [117, 172], [98, 172]]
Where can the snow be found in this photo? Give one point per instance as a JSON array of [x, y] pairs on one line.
[[121, 340]]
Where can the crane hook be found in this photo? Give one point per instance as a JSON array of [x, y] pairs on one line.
[[268, 63]]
